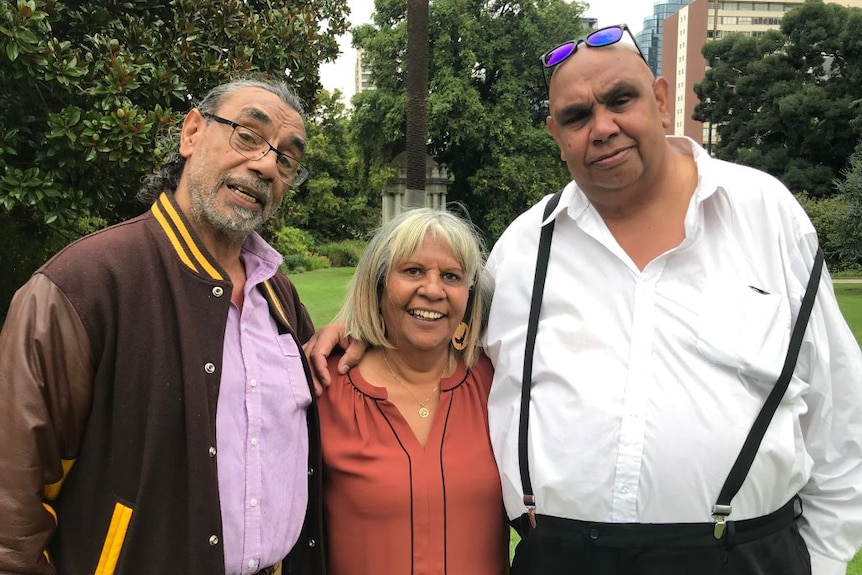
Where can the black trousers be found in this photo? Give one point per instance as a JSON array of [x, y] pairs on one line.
[[769, 545]]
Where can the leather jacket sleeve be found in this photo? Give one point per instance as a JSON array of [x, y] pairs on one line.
[[46, 379]]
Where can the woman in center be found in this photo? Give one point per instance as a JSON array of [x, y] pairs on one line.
[[410, 483]]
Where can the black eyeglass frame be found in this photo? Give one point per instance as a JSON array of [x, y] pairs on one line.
[[623, 28], [301, 173]]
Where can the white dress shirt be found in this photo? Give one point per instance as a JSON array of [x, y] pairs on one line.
[[646, 383]]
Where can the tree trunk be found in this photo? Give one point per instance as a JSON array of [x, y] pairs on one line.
[[417, 101]]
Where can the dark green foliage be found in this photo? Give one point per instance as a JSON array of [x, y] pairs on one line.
[[298, 248], [487, 98], [838, 219], [89, 90], [850, 188], [344, 253], [341, 198], [788, 101], [830, 217]]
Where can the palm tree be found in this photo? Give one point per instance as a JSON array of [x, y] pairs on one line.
[[417, 101]]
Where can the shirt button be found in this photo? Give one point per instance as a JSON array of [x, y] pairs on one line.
[[254, 440], [252, 563], [594, 534], [253, 502], [212, 451], [213, 540], [218, 291], [253, 383], [209, 367]]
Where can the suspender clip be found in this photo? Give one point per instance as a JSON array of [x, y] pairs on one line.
[[719, 514], [530, 502]]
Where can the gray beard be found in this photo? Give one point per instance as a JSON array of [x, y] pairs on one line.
[[232, 227]]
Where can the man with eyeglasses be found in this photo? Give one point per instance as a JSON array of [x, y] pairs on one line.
[[646, 438], [157, 414]]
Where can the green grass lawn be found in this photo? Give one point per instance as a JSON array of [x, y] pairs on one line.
[[850, 301], [322, 292]]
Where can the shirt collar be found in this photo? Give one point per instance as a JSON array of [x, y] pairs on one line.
[[574, 202]]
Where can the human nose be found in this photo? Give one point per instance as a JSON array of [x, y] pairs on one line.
[[432, 286], [266, 163], [604, 125]]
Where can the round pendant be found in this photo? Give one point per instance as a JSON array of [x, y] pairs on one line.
[[423, 412]]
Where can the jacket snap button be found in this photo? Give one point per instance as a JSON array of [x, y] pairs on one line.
[[218, 291], [213, 540], [594, 534], [209, 368]]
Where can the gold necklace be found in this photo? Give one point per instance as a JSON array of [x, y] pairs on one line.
[[424, 412]]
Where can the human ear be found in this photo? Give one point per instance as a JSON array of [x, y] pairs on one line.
[[661, 90], [193, 127], [552, 129]]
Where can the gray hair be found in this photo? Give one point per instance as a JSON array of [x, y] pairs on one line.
[[168, 176], [393, 243]]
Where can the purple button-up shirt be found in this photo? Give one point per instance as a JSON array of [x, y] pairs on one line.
[[262, 438]]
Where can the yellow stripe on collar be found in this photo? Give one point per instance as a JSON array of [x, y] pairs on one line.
[[172, 237], [184, 244]]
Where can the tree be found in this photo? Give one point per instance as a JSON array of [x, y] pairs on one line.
[[337, 202], [787, 101], [487, 99], [417, 101], [850, 190], [89, 88]]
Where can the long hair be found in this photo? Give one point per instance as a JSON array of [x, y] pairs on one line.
[[168, 176]]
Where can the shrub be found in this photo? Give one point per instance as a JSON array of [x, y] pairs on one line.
[[299, 263], [292, 241], [344, 253], [297, 247]]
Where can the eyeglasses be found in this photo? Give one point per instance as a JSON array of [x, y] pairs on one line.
[[253, 146], [597, 39]]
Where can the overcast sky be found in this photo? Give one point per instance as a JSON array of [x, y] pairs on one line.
[[340, 74]]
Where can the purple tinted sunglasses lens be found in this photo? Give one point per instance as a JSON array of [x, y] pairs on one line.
[[560, 53], [605, 37]]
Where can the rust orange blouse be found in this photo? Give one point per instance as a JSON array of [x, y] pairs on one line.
[[396, 508]]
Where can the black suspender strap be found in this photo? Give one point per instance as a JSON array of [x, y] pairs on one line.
[[529, 348], [722, 508], [739, 471]]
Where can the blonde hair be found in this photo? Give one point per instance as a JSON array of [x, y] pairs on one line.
[[394, 242]]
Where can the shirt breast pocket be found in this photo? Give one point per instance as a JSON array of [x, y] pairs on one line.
[[745, 329], [295, 372]]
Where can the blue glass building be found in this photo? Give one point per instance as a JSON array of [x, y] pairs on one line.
[[649, 38]]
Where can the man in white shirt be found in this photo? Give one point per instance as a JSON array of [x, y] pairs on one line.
[[673, 284]]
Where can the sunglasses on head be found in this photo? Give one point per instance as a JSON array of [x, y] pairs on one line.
[[597, 39]]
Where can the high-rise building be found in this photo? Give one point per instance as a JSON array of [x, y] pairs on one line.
[[685, 33], [362, 74], [650, 37]]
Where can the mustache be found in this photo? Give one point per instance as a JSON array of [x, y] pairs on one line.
[[261, 190]]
